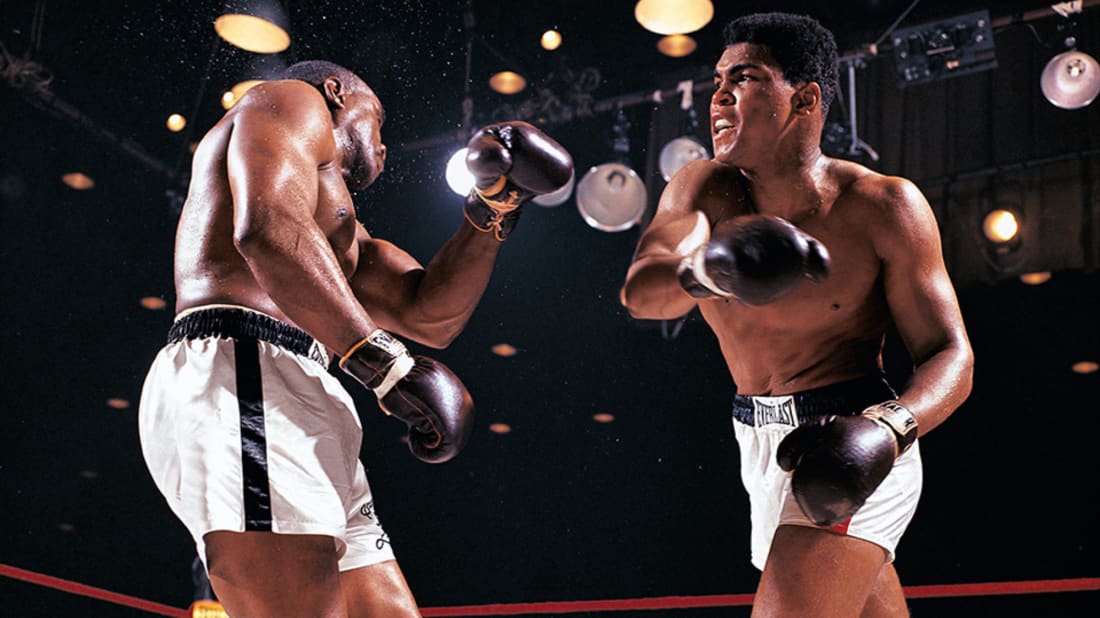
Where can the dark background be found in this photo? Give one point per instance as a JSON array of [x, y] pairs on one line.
[[563, 507]]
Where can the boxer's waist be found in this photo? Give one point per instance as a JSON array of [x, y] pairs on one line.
[[844, 398], [229, 322]]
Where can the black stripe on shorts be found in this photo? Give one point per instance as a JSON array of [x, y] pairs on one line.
[[257, 489]]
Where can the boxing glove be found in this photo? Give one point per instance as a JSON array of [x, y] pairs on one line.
[[511, 163], [419, 391], [755, 259], [838, 461]]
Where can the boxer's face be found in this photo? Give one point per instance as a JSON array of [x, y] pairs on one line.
[[751, 106], [361, 126]]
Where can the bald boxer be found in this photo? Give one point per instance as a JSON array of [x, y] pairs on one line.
[[252, 441], [799, 263]]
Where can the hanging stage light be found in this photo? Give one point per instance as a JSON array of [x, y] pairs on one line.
[[611, 197], [678, 153], [686, 148], [258, 26], [673, 16], [1071, 80]]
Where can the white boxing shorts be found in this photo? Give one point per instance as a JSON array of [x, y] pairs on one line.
[[244, 429], [761, 423]]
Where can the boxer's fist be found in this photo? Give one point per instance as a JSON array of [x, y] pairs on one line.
[[838, 461], [755, 259], [511, 163], [421, 392]]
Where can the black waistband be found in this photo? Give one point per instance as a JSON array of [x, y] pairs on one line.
[[844, 398], [226, 323]]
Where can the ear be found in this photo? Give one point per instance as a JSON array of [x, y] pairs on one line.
[[333, 89], [807, 99]]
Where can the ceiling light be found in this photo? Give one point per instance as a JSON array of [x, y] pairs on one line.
[[176, 123], [507, 82], [258, 26], [551, 40], [153, 303], [678, 153], [501, 428], [611, 197], [676, 45], [673, 16], [459, 178], [504, 349], [1084, 367], [1001, 226], [78, 181], [1035, 278], [118, 403], [603, 417], [1071, 80]]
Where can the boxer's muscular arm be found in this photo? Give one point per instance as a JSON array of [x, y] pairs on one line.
[[281, 140], [923, 304], [430, 305], [652, 289]]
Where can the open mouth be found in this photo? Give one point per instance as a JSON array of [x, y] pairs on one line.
[[722, 125]]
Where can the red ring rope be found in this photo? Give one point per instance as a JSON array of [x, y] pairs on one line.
[[1081, 584]]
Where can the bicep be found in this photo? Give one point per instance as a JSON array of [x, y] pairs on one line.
[[918, 289]]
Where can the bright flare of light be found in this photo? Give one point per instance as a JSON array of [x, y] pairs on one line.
[[551, 40], [176, 123], [1001, 226], [459, 178], [501, 428], [673, 16]]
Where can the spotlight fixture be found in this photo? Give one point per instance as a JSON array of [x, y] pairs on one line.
[[687, 148], [176, 123], [551, 40], [676, 45], [1001, 226], [507, 82], [673, 16], [1071, 80], [611, 197], [234, 94], [258, 26], [78, 181]]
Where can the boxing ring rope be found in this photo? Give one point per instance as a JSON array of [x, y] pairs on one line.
[[1081, 584]]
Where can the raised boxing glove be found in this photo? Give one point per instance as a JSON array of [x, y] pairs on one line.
[[755, 259], [511, 163], [838, 461], [419, 391]]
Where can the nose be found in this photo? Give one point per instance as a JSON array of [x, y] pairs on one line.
[[723, 94]]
